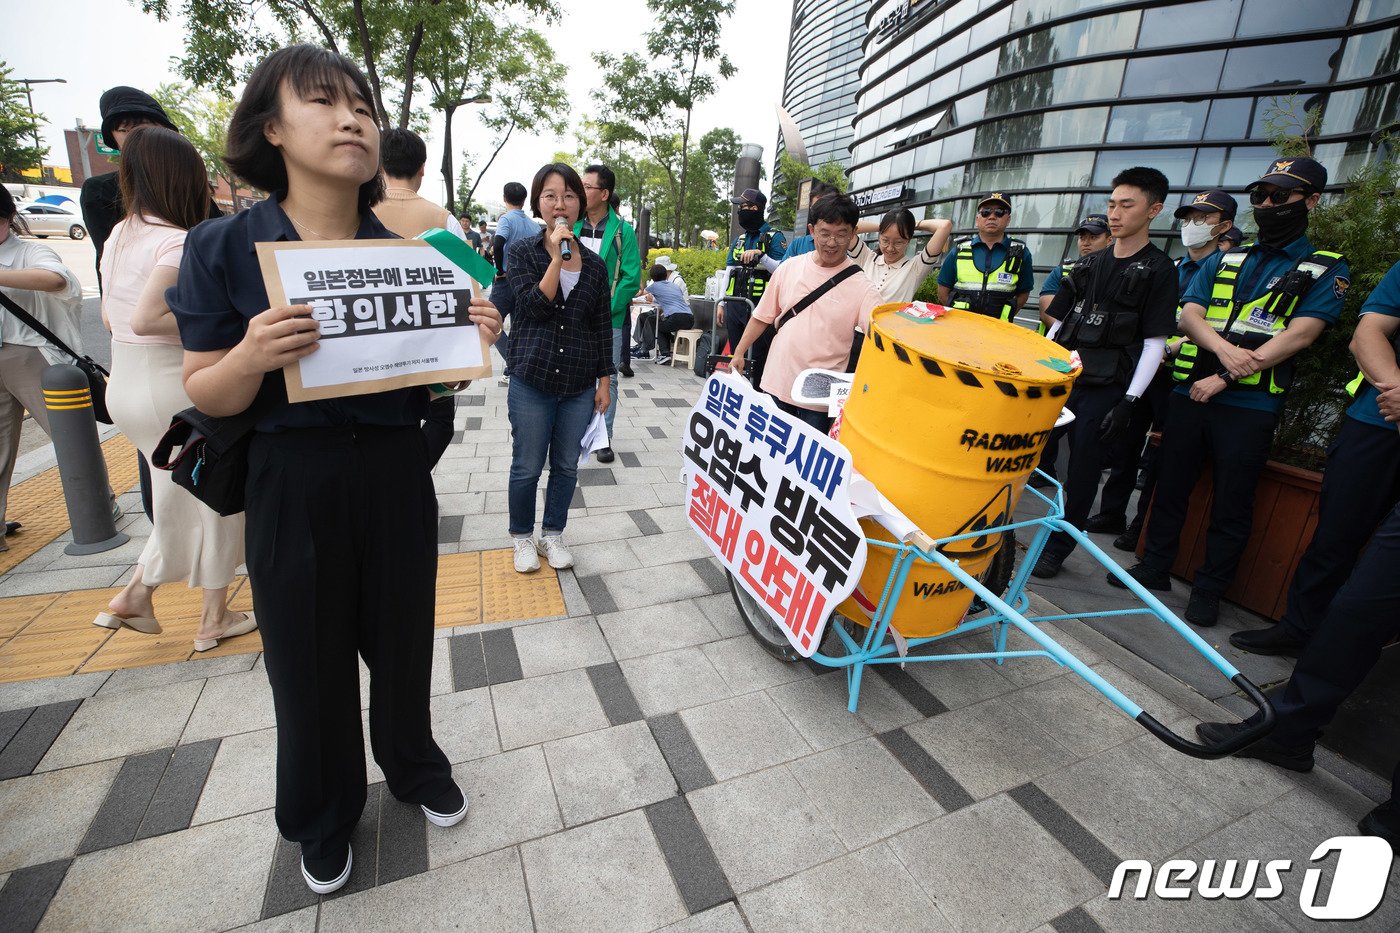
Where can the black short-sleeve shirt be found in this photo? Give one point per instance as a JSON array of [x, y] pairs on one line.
[[221, 288]]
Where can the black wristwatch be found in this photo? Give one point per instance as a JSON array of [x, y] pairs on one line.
[[1226, 375]]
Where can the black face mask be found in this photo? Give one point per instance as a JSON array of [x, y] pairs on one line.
[[751, 219], [1279, 226]]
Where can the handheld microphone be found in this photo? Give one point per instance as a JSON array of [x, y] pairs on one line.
[[565, 252]]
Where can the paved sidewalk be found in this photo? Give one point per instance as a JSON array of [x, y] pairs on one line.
[[640, 763]]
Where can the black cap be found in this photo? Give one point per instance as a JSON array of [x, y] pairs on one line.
[[1293, 172], [1093, 223], [1209, 201], [995, 197], [751, 195], [119, 103], [1235, 235]]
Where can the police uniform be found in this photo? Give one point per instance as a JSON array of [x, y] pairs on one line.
[[1250, 295], [987, 278], [1359, 487], [1111, 305], [749, 281], [1152, 413]]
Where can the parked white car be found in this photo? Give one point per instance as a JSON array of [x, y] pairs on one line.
[[51, 219]]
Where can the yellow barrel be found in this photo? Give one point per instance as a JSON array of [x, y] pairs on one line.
[[947, 418]]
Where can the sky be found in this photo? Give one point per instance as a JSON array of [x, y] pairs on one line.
[[97, 44]]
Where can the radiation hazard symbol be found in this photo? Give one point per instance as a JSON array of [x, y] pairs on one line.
[[995, 513]]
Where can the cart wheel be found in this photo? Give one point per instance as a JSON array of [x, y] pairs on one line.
[[998, 572], [760, 625], [702, 355]]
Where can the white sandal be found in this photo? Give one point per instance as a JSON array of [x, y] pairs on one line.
[[147, 625], [243, 627]]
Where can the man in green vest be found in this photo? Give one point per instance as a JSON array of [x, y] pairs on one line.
[[612, 238], [990, 273], [1246, 314], [753, 257]]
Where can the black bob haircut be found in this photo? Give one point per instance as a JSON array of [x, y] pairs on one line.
[[305, 68], [837, 209], [514, 194], [1147, 180], [658, 273], [900, 218], [402, 152], [566, 173]]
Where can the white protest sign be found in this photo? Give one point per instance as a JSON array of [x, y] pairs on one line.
[[768, 493], [392, 313]]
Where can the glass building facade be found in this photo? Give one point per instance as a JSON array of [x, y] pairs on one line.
[[823, 76], [1047, 100]]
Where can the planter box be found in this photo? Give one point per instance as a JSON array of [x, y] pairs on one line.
[[1285, 515]]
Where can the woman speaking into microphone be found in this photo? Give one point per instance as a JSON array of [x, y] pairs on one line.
[[560, 363]]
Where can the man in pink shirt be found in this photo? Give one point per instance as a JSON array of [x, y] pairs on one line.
[[819, 336]]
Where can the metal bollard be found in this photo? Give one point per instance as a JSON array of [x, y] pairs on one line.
[[73, 430]]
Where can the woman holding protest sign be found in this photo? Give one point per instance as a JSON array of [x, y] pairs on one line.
[[561, 363], [165, 190], [341, 513]]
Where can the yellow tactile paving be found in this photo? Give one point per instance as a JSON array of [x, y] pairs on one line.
[[52, 634], [37, 502]]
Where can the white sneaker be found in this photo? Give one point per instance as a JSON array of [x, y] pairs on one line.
[[525, 559], [555, 551], [503, 381]]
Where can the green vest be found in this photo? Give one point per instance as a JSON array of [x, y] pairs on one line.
[[993, 292], [1252, 324], [1355, 385]]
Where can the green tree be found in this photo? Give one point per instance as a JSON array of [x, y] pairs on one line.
[[18, 128], [203, 119], [791, 173], [652, 99]]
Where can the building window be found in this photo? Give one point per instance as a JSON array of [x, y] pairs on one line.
[[1174, 163], [1272, 18], [1229, 116], [1187, 73], [1166, 121], [1216, 18], [1280, 66], [1371, 54]]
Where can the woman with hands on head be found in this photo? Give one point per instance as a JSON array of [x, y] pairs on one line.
[[895, 275], [341, 513], [561, 363]]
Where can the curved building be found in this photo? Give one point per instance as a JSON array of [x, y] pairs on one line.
[[1048, 99], [823, 76]]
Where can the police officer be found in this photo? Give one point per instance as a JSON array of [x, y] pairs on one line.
[[1363, 618], [1116, 307], [1361, 483], [1204, 219], [753, 258], [1093, 236], [989, 273], [1230, 239], [1246, 314]]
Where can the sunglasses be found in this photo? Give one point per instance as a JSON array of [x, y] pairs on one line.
[[1278, 196], [993, 212]]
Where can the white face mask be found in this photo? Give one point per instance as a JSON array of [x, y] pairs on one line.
[[1194, 236]]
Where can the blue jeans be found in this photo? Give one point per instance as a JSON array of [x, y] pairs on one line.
[[504, 300], [543, 423], [619, 337]]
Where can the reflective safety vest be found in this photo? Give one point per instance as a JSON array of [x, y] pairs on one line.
[[746, 281], [1354, 386], [993, 292], [1252, 324]]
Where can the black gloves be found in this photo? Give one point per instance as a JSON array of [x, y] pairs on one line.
[[1116, 421]]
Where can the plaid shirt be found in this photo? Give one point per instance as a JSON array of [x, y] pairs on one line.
[[560, 346]]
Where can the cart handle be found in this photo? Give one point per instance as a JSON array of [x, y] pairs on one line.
[[1231, 745]]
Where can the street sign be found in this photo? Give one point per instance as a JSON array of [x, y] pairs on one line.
[[102, 147]]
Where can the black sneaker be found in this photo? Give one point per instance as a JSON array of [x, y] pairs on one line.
[[1383, 821], [1203, 609], [1272, 640], [626, 370], [1047, 567], [449, 809], [1158, 580], [606, 455], [663, 360], [1039, 480], [1106, 524], [325, 875], [12, 528], [1128, 540], [1293, 758]]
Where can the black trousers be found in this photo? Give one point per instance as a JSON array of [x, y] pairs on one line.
[[342, 556], [1149, 413], [1087, 457], [736, 318], [1363, 618], [644, 331], [670, 325], [1359, 487], [439, 427], [1236, 443]]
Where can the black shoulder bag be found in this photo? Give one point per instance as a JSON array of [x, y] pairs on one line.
[[96, 375], [208, 456], [761, 346]]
